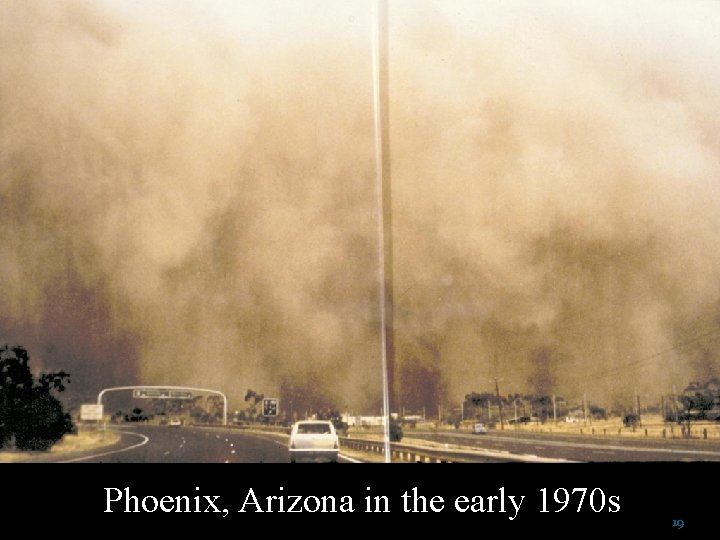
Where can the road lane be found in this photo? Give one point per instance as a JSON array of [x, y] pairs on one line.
[[163, 444], [198, 445], [578, 448]]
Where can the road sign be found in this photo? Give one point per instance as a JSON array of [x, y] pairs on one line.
[[270, 406], [91, 412], [161, 393]]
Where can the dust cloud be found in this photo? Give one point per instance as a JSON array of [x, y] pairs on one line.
[[188, 197]]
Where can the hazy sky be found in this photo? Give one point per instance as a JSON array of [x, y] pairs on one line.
[[188, 196]]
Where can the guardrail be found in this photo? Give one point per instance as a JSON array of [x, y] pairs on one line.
[[407, 453]]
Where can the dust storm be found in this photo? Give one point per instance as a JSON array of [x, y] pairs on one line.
[[188, 196]]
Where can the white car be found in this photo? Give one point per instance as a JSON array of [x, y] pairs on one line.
[[480, 428], [314, 440]]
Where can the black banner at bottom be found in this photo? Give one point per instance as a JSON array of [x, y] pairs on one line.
[[657, 498]]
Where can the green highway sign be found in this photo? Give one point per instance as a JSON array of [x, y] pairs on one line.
[[161, 393], [270, 406]]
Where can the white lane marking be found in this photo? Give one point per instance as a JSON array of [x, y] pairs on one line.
[[145, 440], [166, 452], [351, 460], [232, 451], [231, 445]]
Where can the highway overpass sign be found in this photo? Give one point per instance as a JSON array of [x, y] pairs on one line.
[[162, 393], [166, 392]]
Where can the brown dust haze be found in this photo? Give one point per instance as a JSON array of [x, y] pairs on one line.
[[187, 196]]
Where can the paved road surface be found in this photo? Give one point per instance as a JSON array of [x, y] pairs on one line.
[[581, 448], [162, 444]]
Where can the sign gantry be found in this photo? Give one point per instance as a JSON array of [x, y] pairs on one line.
[[166, 392]]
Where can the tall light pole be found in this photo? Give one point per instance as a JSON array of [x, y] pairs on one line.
[[382, 178]]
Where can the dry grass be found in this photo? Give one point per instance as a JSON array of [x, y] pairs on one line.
[[85, 440], [652, 427]]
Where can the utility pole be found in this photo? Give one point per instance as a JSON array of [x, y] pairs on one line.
[[554, 411], [662, 407], [637, 404], [497, 393]]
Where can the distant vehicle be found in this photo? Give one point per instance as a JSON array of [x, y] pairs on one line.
[[175, 422], [314, 440], [480, 428], [396, 431], [137, 416]]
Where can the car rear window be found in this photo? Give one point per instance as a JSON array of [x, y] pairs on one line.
[[314, 428]]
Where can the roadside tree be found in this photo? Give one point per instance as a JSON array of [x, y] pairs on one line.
[[31, 417]]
